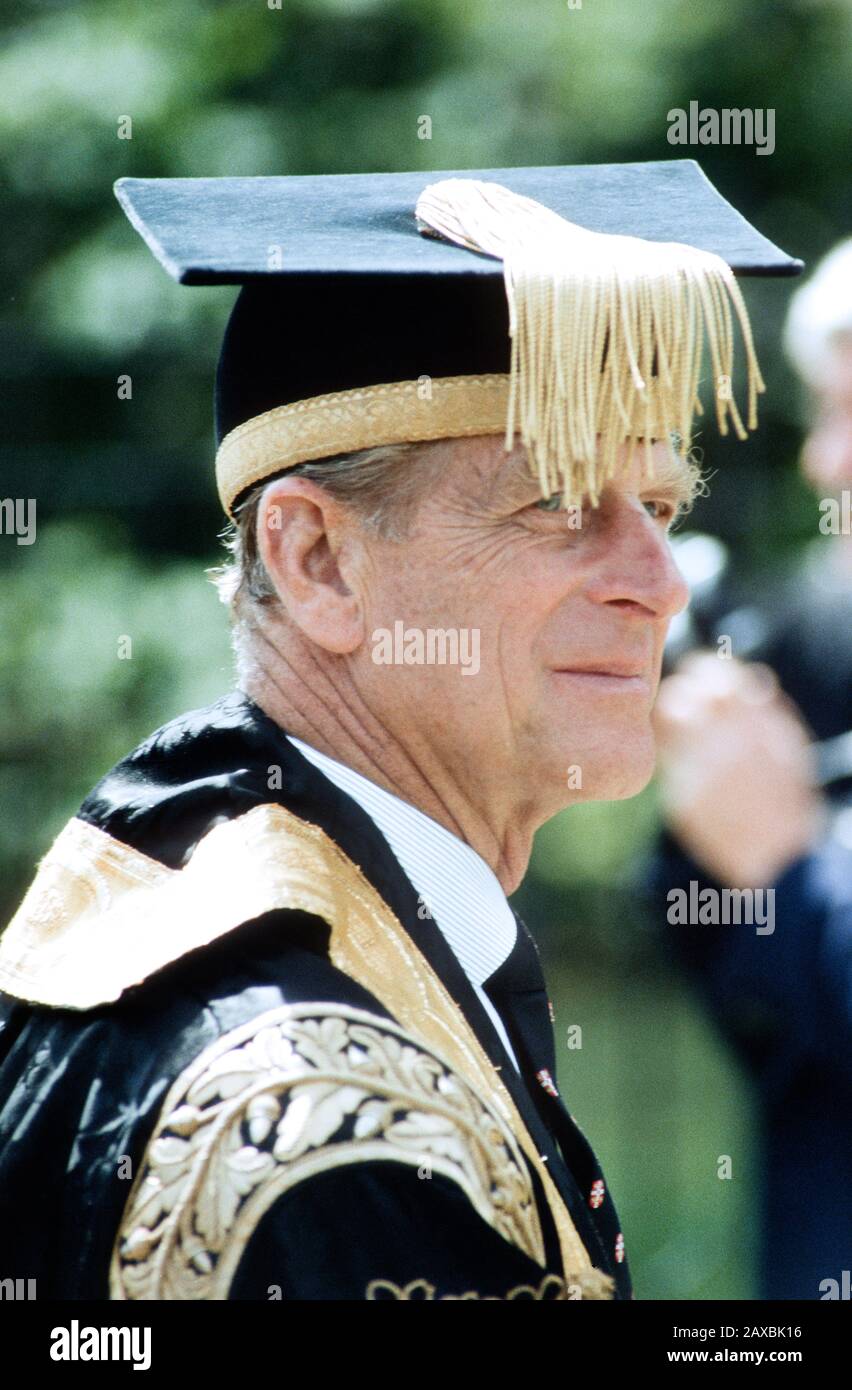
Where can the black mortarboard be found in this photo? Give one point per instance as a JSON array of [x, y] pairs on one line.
[[353, 328]]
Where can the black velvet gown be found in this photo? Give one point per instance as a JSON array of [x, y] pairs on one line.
[[190, 1111]]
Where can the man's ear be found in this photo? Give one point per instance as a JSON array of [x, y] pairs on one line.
[[307, 543]]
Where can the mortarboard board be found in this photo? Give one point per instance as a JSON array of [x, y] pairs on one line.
[[567, 304]]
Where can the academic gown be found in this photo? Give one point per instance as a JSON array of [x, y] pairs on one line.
[[237, 1062]]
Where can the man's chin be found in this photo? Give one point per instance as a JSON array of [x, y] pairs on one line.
[[613, 776], [628, 788]]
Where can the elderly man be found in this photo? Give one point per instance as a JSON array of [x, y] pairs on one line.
[[272, 1029]]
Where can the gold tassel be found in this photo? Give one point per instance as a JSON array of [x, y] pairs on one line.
[[607, 332]]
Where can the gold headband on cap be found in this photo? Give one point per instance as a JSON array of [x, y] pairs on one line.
[[607, 336]]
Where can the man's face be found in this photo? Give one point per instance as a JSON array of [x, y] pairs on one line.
[[827, 456], [570, 621]]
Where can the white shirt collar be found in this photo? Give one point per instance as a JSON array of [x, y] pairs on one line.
[[460, 891]]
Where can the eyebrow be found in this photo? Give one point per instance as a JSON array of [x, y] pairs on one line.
[[674, 477]]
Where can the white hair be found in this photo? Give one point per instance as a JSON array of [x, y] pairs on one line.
[[383, 486], [820, 314]]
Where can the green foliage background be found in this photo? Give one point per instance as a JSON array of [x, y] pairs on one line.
[[127, 514]]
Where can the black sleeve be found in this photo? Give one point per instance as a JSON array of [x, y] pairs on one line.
[[378, 1230]]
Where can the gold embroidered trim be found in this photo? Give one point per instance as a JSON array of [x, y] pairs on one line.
[[131, 916], [299, 1091], [552, 1289], [79, 937], [400, 412]]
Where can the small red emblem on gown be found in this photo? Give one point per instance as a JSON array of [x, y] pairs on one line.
[[596, 1195], [546, 1081]]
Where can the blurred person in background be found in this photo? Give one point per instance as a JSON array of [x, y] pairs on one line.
[[756, 783]]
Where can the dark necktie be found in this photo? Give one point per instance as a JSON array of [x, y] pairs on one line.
[[518, 991]]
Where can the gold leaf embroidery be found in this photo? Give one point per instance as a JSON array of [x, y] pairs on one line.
[[551, 1289], [300, 1090]]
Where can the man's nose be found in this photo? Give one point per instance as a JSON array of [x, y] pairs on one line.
[[639, 570]]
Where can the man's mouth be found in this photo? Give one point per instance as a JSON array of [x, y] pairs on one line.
[[614, 676]]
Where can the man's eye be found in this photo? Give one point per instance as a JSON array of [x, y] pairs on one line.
[[660, 511], [552, 503]]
